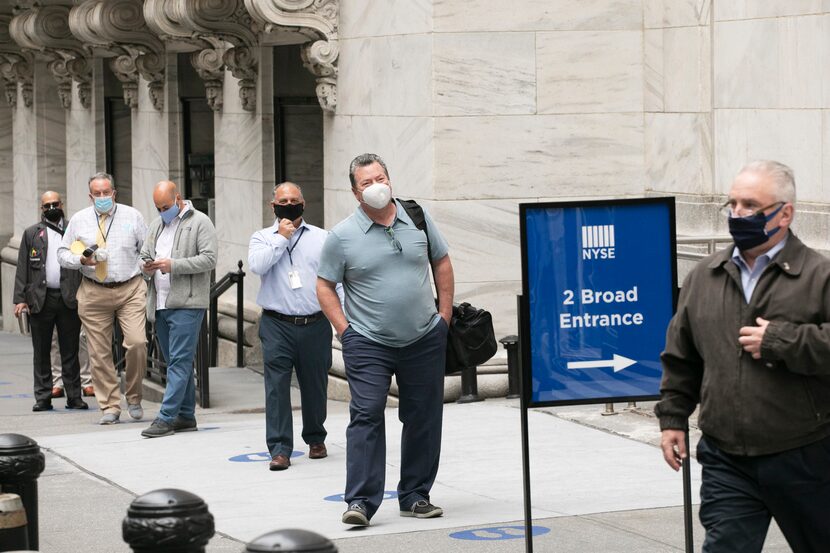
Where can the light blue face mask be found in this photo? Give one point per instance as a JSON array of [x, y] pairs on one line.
[[103, 205], [169, 214]]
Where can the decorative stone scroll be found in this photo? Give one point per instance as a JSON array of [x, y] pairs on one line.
[[118, 28], [44, 30], [209, 25], [317, 20], [16, 67]]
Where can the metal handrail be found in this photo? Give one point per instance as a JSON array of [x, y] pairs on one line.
[[711, 242]]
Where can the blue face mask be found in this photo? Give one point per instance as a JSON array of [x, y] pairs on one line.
[[103, 205], [750, 232], [168, 215]]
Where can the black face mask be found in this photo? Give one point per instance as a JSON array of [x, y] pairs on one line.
[[289, 211], [53, 214], [750, 232]]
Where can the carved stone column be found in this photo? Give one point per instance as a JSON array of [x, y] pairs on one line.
[[44, 31], [15, 66], [314, 20], [118, 28]]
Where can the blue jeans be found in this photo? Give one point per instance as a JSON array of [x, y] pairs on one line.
[[419, 373], [178, 334], [306, 349]]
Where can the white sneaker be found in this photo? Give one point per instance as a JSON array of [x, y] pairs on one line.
[[110, 418]]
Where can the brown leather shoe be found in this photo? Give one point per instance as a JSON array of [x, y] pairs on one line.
[[279, 462], [57, 392], [317, 451], [88, 391]]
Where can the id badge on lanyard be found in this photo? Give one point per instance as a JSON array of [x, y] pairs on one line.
[[294, 275]]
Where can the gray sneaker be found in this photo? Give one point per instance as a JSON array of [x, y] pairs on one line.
[[356, 515], [158, 429], [181, 424], [422, 509], [135, 411], [110, 418]]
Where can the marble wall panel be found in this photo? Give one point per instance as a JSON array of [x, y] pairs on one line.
[[770, 63], [793, 137], [339, 204], [658, 14], [82, 151], [539, 156], [235, 197], [590, 71], [483, 237], [390, 75], [484, 73], [25, 167], [405, 144], [50, 127], [366, 18], [6, 175], [755, 9], [678, 152], [536, 15], [677, 69]]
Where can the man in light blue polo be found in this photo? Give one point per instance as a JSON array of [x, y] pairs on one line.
[[390, 327]]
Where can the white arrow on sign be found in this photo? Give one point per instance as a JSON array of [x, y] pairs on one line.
[[619, 363]]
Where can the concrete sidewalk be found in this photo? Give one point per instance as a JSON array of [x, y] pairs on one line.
[[598, 483]]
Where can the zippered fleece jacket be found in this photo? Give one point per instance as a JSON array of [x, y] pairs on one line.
[[751, 406], [194, 257]]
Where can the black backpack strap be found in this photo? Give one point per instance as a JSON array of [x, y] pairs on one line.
[[416, 213]]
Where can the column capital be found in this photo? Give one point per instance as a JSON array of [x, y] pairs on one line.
[[117, 28], [16, 66]]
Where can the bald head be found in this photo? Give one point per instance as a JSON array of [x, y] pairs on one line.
[[165, 195], [49, 196]]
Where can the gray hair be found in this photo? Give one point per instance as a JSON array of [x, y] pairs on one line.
[[781, 174], [102, 175], [288, 183], [362, 161]]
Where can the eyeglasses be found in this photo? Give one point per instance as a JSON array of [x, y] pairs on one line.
[[395, 244], [728, 210], [50, 205]]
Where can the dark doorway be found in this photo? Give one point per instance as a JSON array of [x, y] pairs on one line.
[[118, 128], [197, 122]]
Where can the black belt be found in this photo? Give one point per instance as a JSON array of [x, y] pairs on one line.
[[108, 284], [299, 320]]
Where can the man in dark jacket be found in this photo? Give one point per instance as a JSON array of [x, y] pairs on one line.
[[750, 343], [47, 291]]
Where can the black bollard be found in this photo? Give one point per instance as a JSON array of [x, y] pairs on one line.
[[291, 540], [511, 345], [21, 462], [168, 521], [469, 385], [13, 534]]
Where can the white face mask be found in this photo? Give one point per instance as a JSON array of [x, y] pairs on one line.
[[377, 195]]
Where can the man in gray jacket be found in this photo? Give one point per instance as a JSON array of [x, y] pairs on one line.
[[750, 343], [179, 254]]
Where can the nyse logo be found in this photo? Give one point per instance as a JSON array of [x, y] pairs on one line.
[[598, 242]]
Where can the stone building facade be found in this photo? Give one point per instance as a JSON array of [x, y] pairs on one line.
[[476, 105]]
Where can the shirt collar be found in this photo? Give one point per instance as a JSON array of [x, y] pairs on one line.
[[365, 223], [766, 257], [276, 225]]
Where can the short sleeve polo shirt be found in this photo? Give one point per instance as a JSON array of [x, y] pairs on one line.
[[388, 290]]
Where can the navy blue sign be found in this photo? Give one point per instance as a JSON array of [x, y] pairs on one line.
[[498, 533], [599, 281], [341, 497], [257, 457]]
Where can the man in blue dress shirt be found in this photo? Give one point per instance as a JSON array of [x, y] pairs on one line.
[[293, 330]]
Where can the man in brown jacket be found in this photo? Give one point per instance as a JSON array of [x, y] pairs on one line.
[[750, 343]]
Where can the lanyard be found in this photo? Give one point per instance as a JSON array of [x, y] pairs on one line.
[[112, 218], [297, 241]]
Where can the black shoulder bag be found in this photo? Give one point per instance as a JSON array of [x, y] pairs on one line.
[[471, 340]]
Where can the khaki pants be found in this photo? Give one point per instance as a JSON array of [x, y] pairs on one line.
[[97, 307]]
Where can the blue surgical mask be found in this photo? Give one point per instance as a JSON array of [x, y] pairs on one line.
[[750, 232], [169, 214], [103, 205]]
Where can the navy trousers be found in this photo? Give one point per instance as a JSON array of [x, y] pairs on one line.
[[739, 495], [307, 349], [419, 373]]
